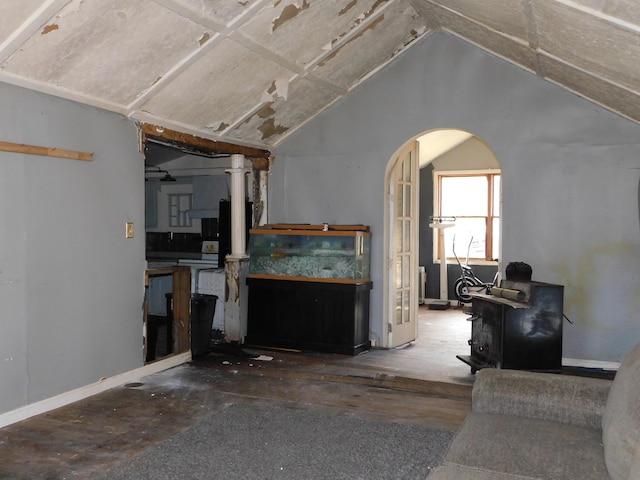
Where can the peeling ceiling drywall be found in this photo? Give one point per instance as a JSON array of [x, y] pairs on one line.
[[251, 72]]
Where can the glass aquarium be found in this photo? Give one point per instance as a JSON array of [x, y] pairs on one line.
[[331, 254]]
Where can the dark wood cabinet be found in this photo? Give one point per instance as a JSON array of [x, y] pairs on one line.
[[307, 315]]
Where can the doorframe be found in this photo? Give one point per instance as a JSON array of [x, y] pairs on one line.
[[387, 301]]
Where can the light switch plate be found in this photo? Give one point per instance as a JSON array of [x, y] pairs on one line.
[[129, 230]]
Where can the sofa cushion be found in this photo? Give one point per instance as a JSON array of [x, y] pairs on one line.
[[569, 399], [528, 447], [621, 419], [459, 472]]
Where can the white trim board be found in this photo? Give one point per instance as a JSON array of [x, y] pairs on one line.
[[102, 385], [578, 362]]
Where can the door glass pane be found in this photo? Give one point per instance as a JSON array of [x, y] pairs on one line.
[[407, 201], [406, 271], [405, 306], [398, 315], [407, 236], [398, 235], [399, 200], [406, 167]]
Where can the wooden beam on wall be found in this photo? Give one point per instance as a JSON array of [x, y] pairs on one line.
[[45, 151]]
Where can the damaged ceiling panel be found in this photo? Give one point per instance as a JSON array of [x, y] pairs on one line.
[[504, 16], [600, 37], [111, 51], [251, 72], [514, 49], [303, 32], [227, 83], [270, 120], [220, 12], [391, 32], [14, 14]]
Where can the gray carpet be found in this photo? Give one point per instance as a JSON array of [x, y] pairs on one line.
[[248, 442]]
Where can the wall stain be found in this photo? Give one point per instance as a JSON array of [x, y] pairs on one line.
[[289, 12], [584, 286], [49, 28]]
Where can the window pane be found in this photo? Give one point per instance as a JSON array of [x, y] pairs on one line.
[[468, 234], [496, 195], [179, 206], [495, 254], [464, 196]]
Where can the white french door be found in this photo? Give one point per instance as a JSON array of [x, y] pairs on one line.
[[403, 247]]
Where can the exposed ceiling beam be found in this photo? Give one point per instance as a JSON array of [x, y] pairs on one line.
[[199, 144]]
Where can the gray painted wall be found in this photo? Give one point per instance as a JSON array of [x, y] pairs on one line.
[[71, 284], [570, 177]]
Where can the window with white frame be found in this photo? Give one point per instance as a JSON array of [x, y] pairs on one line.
[[473, 198], [179, 206]]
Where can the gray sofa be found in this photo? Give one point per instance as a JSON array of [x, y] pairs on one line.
[[526, 425]]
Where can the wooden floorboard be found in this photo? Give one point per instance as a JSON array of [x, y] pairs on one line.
[[88, 437]]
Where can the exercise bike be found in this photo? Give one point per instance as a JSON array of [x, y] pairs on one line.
[[468, 282]]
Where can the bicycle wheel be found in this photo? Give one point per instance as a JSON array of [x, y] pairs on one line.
[[461, 288]]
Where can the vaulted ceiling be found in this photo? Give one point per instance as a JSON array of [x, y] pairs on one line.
[[250, 72]]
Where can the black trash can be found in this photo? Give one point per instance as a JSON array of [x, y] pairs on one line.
[[202, 309]]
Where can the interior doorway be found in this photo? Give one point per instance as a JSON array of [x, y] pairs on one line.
[[440, 150]]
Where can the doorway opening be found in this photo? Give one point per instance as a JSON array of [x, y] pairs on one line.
[[413, 197], [188, 236]]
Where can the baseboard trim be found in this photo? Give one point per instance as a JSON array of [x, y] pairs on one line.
[[577, 362], [102, 385]]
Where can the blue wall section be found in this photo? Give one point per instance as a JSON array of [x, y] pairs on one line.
[[71, 284], [569, 169]]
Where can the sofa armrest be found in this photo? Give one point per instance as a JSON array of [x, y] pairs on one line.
[[567, 399]]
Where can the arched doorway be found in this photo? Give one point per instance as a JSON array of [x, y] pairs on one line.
[[405, 213]]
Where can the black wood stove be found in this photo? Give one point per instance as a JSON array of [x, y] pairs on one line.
[[518, 326]]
